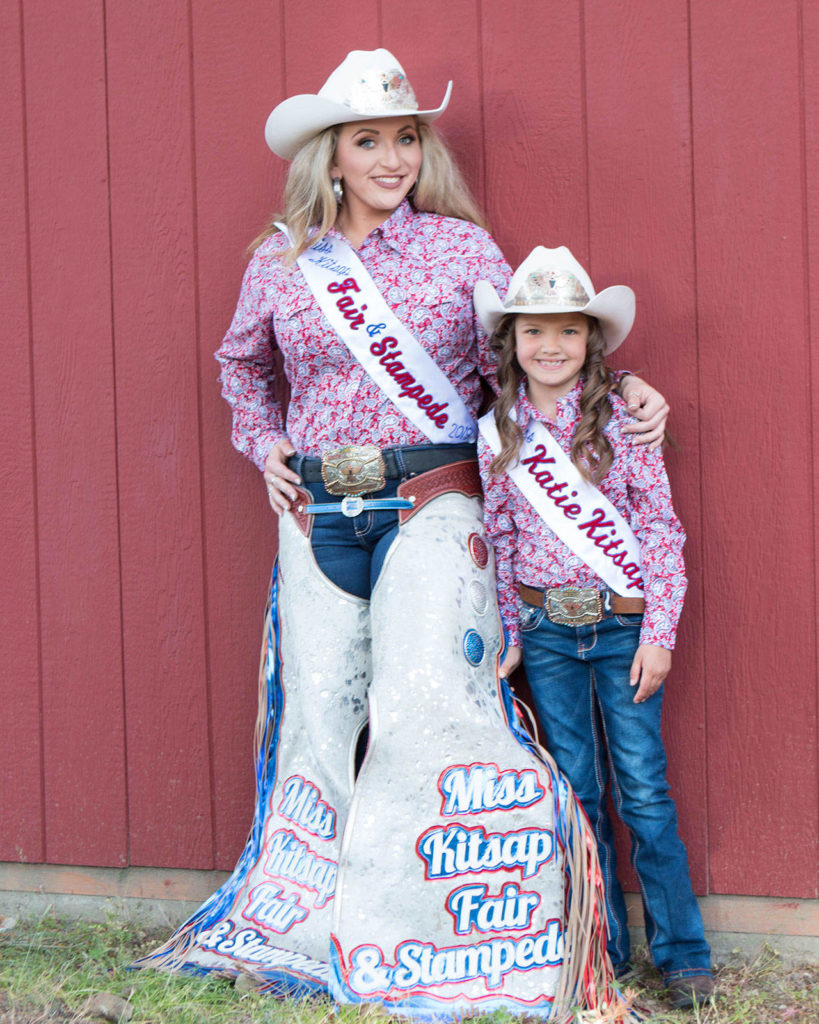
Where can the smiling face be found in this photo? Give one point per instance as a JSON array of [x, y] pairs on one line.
[[551, 350], [378, 162]]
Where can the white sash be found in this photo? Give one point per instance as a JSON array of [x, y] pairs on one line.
[[583, 518], [389, 353]]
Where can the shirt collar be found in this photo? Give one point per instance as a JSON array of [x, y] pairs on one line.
[[393, 230], [568, 407], [395, 227]]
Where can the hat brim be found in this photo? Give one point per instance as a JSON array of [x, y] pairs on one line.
[[613, 308], [298, 119]]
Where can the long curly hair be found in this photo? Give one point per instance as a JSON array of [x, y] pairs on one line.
[[310, 208], [591, 450]]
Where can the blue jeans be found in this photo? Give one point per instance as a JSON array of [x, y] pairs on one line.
[[579, 677], [351, 551]]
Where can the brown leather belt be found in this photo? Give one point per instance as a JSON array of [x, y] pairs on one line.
[[460, 477], [575, 606]]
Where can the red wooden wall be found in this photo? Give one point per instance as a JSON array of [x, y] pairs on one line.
[[669, 145]]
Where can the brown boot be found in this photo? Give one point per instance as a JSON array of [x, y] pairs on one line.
[[683, 993]]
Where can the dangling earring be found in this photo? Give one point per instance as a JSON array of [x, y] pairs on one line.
[[338, 190]]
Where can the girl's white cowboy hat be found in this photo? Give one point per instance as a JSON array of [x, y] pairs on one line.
[[368, 84], [552, 281]]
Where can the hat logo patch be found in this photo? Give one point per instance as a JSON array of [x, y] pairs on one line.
[[550, 287], [378, 91]]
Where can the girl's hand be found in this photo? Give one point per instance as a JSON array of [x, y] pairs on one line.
[[279, 477], [510, 662], [650, 667], [649, 406]]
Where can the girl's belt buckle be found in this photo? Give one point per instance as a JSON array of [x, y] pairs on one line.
[[354, 469], [574, 606]]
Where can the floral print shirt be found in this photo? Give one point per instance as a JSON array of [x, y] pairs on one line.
[[426, 267], [527, 551]]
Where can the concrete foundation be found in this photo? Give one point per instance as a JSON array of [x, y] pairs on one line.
[[160, 898]]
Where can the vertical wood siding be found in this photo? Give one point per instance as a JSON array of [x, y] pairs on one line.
[[77, 528], [670, 146], [21, 751]]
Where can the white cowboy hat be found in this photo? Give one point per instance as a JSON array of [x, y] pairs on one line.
[[368, 84], [552, 281]]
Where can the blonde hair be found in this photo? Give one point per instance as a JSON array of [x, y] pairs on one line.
[[591, 450], [310, 207]]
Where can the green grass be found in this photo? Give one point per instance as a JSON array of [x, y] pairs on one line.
[[50, 967]]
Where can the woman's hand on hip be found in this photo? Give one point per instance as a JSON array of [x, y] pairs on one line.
[[650, 667], [279, 477], [650, 408]]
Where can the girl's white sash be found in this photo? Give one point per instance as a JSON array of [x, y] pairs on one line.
[[581, 516], [389, 353]]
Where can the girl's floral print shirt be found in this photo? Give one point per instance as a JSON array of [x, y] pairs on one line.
[[426, 267], [527, 551]]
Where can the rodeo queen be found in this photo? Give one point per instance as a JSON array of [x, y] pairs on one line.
[[453, 873]]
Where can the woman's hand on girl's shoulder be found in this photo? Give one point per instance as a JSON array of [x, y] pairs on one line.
[[649, 407], [278, 476], [650, 667]]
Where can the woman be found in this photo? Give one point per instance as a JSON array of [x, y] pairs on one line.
[[435, 876]]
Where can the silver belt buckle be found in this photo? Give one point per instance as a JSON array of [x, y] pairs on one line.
[[354, 469], [352, 505], [574, 606]]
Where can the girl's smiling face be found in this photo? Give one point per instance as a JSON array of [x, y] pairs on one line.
[[378, 162], [551, 350]]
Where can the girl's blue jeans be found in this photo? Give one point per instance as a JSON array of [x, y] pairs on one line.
[[579, 677]]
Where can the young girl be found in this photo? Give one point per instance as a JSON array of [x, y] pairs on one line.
[[591, 581]]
